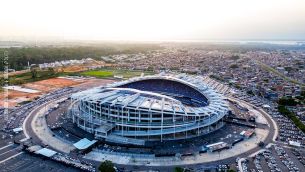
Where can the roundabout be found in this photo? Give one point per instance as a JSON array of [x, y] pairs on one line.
[[188, 152]]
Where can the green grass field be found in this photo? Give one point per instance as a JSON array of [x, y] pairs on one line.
[[98, 74], [110, 73]]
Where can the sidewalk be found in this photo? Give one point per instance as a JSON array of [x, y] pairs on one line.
[[170, 161], [41, 129]]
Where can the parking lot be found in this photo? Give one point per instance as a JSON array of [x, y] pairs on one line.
[[29, 163], [275, 159], [287, 130]]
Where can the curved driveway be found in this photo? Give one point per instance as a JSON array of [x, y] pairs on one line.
[[36, 128]]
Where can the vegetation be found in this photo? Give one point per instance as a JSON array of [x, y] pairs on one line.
[[261, 144], [233, 66], [231, 170], [288, 69], [109, 73], [217, 77], [234, 57], [98, 73], [237, 86], [19, 57], [283, 110], [31, 76], [285, 101], [301, 98], [178, 169], [35, 74], [106, 166], [250, 92], [303, 94]]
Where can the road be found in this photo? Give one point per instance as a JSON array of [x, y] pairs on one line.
[[273, 132], [36, 119], [29, 132]]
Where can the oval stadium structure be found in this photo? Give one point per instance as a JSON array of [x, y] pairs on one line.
[[151, 108]]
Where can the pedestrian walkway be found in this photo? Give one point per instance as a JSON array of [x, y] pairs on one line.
[[43, 132], [135, 159]]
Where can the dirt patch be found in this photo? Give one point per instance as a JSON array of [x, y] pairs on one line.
[[44, 86], [15, 97], [90, 83], [74, 68], [51, 84]]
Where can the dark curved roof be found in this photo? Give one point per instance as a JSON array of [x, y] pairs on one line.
[[115, 95], [180, 91]]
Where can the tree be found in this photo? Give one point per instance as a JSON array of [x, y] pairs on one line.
[[287, 101], [106, 166], [261, 144], [233, 66], [231, 170], [34, 72], [303, 93], [178, 169], [284, 111], [250, 92], [51, 71], [234, 57]]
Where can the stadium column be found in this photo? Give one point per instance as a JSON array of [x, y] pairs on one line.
[[100, 114], [85, 121], [136, 125], [150, 122], [198, 126], [91, 117], [73, 118], [79, 114], [209, 123], [128, 113], [162, 106], [222, 121], [185, 125], [87, 116], [108, 115], [174, 121], [70, 111], [139, 120], [161, 125], [122, 120]]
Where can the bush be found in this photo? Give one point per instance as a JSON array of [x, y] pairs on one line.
[[287, 101], [178, 169], [234, 66], [106, 166]]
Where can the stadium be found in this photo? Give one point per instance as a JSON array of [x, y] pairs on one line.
[[149, 108]]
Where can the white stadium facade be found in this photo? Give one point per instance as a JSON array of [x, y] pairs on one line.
[[149, 108]]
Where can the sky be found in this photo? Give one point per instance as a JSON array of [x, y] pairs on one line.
[[153, 19]]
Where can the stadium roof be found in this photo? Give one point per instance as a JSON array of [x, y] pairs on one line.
[[128, 97]]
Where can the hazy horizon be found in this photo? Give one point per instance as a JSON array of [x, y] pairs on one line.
[[136, 20]]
